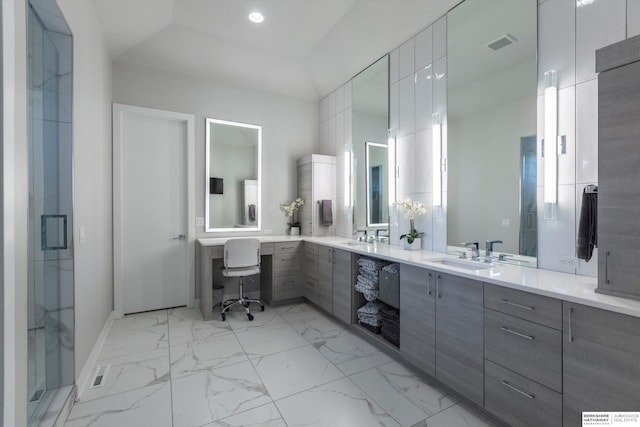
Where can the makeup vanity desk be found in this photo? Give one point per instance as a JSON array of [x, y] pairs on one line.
[[279, 279]]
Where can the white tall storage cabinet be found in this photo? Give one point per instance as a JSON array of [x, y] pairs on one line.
[[316, 182]]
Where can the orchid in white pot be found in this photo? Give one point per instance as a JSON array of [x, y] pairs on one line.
[[291, 208], [413, 209]]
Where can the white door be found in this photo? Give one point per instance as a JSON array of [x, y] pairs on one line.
[[151, 199]]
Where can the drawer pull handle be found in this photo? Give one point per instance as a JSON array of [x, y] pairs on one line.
[[529, 337], [286, 247], [429, 284], [514, 388], [515, 304], [571, 337], [606, 267]]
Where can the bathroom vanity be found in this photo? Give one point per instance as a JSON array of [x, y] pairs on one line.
[[528, 346]]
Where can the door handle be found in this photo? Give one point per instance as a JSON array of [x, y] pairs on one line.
[[44, 222], [179, 237]]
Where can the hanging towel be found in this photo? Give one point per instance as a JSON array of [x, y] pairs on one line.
[[588, 228], [252, 212], [326, 212]]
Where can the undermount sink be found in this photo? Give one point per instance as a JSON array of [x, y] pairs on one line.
[[355, 243], [460, 263]]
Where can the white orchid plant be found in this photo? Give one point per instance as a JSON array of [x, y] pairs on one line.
[[291, 209], [413, 209]]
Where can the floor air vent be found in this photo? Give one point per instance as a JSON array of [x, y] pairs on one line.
[[100, 377]]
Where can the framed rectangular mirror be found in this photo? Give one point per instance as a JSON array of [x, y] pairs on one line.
[[233, 169], [377, 183], [492, 116]]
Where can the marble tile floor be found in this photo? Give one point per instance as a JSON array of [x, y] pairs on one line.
[[291, 366]]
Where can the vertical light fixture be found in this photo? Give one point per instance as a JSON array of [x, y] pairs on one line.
[[436, 141], [347, 176], [393, 170], [550, 144]]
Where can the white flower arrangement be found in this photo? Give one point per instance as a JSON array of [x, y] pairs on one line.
[[413, 209], [291, 209]]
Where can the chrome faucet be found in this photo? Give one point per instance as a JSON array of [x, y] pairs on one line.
[[475, 250], [361, 238], [489, 249]]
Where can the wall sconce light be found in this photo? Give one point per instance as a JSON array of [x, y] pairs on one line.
[[550, 146], [393, 169], [437, 158], [347, 176]]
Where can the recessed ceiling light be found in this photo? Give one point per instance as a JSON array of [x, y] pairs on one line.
[[256, 17]]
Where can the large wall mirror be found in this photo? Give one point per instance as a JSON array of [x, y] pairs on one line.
[[233, 166], [370, 125], [492, 83]]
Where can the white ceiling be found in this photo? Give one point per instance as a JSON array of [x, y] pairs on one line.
[[304, 48]]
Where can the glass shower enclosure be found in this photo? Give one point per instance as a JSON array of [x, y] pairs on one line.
[[50, 275]]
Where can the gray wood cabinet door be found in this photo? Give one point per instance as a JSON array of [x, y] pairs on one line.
[[619, 192], [418, 317], [459, 335], [601, 362], [342, 285], [325, 278]]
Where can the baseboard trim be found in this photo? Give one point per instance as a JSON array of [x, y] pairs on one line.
[[87, 369]]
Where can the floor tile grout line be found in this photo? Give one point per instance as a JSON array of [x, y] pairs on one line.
[[380, 405]]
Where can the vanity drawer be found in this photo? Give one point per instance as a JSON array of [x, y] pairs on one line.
[[311, 266], [519, 401], [536, 308], [527, 348], [286, 265], [266, 248], [286, 247], [310, 248], [311, 290], [286, 287]]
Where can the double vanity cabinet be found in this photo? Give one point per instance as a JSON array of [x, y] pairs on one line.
[[526, 358]]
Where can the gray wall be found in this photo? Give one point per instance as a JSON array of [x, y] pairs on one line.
[[289, 128]]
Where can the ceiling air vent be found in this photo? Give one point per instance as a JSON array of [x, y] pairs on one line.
[[500, 42]]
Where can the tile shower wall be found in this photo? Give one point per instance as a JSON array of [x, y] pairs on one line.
[[568, 37]]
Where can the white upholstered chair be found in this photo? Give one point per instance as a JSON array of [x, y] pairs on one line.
[[241, 258]]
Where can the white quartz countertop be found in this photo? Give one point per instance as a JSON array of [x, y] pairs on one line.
[[567, 287]]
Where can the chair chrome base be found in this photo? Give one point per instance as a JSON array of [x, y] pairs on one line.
[[226, 305]]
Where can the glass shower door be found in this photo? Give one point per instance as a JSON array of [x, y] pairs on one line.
[[51, 285]]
